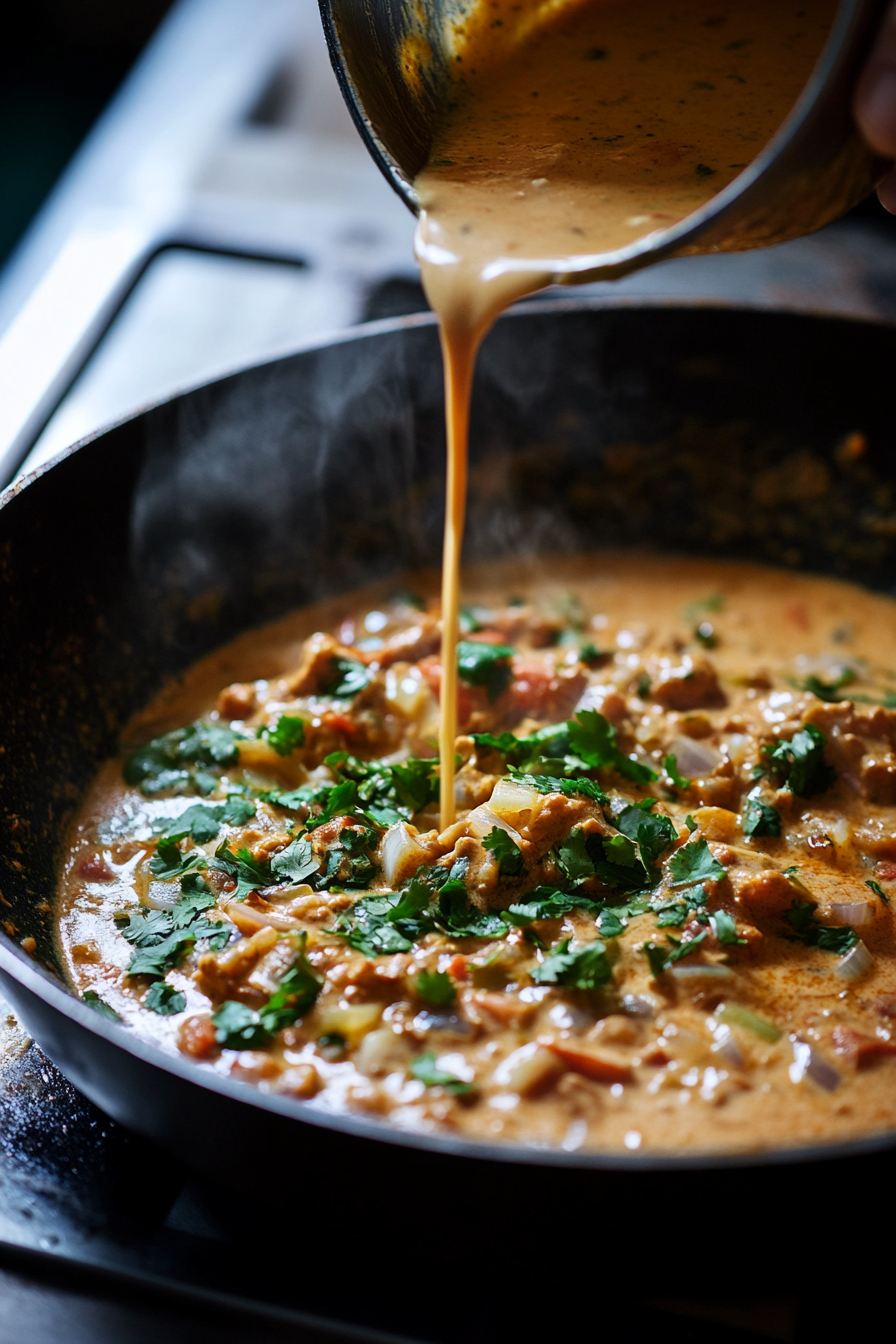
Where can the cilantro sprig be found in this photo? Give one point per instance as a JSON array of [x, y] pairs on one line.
[[239, 1027], [486, 665], [800, 762], [187, 760], [807, 930], [507, 853], [586, 967]]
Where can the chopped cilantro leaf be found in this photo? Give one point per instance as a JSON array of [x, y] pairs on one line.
[[726, 929], [390, 793], [485, 665], [341, 799], [621, 850], [237, 810], [424, 1069], [295, 863], [93, 1000], [200, 822], [154, 961], [827, 690], [800, 762], [506, 743], [551, 784], [169, 863], [507, 852], [457, 917], [695, 862], [593, 737], [435, 987], [287, 734], [610, 925], [165, 999], [692, 612], [574, 857], [656, 956], [878, 891], [295, 994], [248, 873], [670, 765], [348, 679], [295, 800], [238, 1027], [680, 950], [653, 831], [592, 656], [586, 967], [801, 918], [163, 764], [759, 818], [548, 903], [690, 823], [672, 916]]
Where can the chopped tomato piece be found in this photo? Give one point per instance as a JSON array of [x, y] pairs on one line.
[[859, 1048], [457, 968], [197, 1036], [589, 1064], [93, 868], [338, 723]]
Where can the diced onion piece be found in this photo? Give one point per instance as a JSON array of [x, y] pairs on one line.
[[702, 972], [513, 801], [840, 832], [248, 920], [856, 913], [857, 962], [353, 1022], [382, 1051], [694, 760], [809, 1063], [401, 853], [482, 820], [727, 1047], [161, 895], [527, 1070]]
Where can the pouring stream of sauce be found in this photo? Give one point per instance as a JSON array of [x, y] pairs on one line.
[[574, 130]]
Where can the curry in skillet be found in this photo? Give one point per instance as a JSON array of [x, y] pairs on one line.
[[663, 918]]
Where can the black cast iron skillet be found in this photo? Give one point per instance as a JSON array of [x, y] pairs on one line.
[[705, 431]]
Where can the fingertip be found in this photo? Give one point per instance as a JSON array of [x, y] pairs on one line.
[[886, 192], [875, 109]]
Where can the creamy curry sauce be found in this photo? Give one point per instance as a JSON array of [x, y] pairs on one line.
[[272, 892], [573, 130]]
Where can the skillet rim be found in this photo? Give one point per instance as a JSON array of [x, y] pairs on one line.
[[16, 964]]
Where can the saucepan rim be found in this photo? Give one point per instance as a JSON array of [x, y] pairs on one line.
[[838, 49], [16, 964]]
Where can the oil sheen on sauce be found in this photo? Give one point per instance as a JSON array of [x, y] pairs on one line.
[[573, 131]]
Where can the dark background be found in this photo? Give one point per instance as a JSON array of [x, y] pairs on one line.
[[60, 63]]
